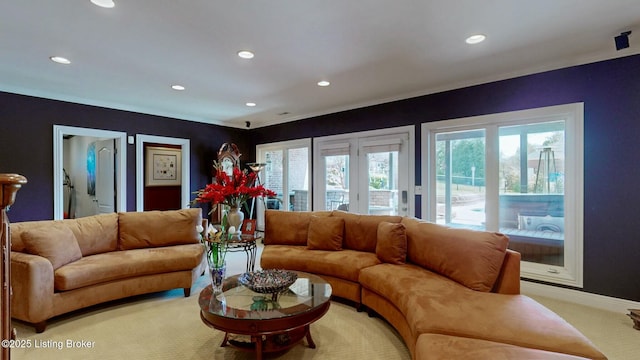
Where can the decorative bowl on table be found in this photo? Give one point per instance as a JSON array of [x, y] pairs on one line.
[[271, 281]]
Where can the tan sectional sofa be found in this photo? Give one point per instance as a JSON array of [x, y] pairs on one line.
[[61, 266], [450, 293]]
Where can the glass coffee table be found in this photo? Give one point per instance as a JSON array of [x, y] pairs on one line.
[[252, 321]]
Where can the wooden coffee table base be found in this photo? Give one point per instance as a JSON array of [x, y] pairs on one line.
[[263, 344], [268, 341], [250, 325]]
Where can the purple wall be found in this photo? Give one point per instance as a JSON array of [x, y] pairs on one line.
[[610, 91], [26, 145]]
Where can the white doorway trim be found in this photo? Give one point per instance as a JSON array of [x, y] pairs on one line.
[[59, 131], [186, 167]]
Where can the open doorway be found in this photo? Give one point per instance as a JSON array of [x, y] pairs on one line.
[[184, 162], [88, 175]]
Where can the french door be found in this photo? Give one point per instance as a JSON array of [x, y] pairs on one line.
[[365, 173]]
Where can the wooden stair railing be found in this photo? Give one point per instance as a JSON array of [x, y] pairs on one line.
[[9, 186]]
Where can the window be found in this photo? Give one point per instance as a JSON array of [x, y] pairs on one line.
[[519, 173], [287, 172]]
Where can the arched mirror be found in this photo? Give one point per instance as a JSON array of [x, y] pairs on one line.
[[228, 158]]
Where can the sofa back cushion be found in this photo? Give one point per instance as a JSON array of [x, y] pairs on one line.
[[392, 243], [472, 258], [18, 229], [55, 243], [158, 228], [325, 233], [288, 227], [95, 234], [361, 231]]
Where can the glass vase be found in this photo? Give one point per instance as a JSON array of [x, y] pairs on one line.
[[218, 273]]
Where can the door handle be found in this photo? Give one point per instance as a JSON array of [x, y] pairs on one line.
[[404, 196]]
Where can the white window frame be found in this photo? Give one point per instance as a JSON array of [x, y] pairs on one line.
[[571, 273], [285, 146]]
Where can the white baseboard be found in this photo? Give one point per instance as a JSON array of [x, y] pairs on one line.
[[579, 297]]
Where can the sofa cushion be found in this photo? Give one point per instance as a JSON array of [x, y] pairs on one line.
[[325, 233], [509, 319], [116, 265], [288, 227], [95, 234], [445, 347], [472, 258], [345, 264], [361, 231], [432, 303], [158, 228], [399, 291], [392, 243], [17, 228], [56, 243]]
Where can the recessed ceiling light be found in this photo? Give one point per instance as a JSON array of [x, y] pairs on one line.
[[474, 39], [177, 87], [60, 60], [246, 54], [323, 83], [251, 104], [104, 3]]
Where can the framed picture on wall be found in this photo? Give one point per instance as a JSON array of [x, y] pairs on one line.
[[91, 169], [162, 166]]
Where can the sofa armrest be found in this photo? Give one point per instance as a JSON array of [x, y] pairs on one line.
[[508, 281], [32, 284]]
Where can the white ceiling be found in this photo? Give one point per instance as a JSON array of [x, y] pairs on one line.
[[372, 51]]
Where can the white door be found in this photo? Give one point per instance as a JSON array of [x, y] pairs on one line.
[[383, 175], [335, 185], [364, 173], [105, 177]]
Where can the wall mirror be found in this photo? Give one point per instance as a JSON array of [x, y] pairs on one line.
[[228, 158]]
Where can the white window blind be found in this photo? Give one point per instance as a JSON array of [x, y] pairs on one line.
[[382, 145], [334, 149]]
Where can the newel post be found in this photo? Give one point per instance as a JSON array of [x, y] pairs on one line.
[[9, 186]]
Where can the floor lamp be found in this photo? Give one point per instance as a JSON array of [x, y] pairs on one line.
[[9, 186], [256, 168]]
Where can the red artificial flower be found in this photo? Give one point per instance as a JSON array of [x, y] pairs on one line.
[[233, 191]]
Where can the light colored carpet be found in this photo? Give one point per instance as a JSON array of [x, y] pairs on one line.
[[611, 332], [168, 326]]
